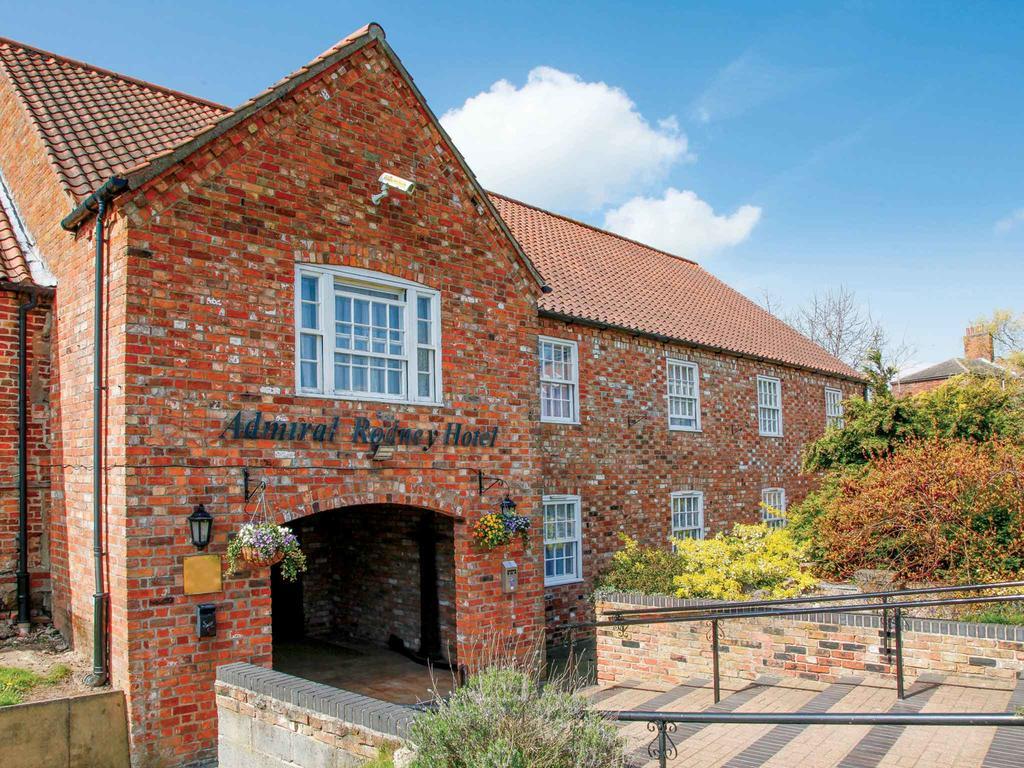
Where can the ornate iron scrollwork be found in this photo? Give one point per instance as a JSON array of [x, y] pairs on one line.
[[662, 747]]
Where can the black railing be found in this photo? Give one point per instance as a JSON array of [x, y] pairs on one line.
[[717, 612], [664, 724]]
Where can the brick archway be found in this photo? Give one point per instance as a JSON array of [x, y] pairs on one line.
[[351, 491]]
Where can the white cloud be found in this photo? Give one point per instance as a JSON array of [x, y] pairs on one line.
[[563, 143], [681, 223], [1012, 221]]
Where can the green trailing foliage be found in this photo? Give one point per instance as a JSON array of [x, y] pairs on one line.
[[503, 719], [748, 560]]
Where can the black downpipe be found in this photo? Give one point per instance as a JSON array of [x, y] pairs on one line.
[[24, 616], [99, 598]]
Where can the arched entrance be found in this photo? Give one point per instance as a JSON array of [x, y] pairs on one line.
[[375, 611]]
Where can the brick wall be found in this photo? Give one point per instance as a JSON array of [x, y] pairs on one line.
[[38, 459], [210, 330], [823, 647], [272, 719], [624, 462], [363, 577]]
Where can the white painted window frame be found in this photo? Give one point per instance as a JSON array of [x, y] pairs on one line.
[[773, 521], [777, 408], [835, 415], [326, 275], [573, 382], [577, 540], [671, 363], [699, 528]]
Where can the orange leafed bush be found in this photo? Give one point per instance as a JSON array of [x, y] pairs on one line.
[[949, 510]]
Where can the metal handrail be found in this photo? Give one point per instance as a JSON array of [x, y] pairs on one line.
[[739, 604], [663, 724], [715, 616], [859, 608]]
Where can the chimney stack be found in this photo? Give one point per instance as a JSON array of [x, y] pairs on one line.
[[978, 344]]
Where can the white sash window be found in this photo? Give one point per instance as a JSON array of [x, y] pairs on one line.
[[769, 406], [366, 336], [683, 380]]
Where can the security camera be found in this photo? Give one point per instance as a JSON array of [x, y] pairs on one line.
[[390, 181]]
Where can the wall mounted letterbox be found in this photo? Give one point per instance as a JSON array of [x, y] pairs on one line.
[[509, 576], [206, 620]]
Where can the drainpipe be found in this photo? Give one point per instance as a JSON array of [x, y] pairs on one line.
[[32, 292], [24, 618], [97, 202]]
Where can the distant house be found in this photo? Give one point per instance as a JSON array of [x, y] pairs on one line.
[[978, 358]]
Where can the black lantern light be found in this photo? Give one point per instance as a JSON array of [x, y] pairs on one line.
[[200, 523], [508, 507]]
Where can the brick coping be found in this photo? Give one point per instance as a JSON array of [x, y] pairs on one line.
[[1007, 632], [380, 716]]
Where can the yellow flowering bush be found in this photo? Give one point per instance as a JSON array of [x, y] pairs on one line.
[[731, 566]]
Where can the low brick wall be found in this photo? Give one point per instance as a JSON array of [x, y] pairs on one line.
[[820, 647], [268, 719]]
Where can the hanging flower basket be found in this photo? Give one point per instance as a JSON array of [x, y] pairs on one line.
[[261, 545], [497, 529]]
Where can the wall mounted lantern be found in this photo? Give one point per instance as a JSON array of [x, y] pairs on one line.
[[200, 523], [508, 507]]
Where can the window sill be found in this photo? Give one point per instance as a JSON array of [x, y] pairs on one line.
[[770, 434], [698, 430], [559, 421], [354, 399], [562, 583]]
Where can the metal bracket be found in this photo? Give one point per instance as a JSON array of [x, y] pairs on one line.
[[481, 478], [631, 422], [262, 486]]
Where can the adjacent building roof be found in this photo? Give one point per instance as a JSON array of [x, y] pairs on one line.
[[97, 124], [610, 280], [955, 366], [13, 265]]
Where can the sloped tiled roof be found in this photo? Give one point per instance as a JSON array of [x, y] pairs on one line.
[[95, 122], [955, 366], [603, 278], [13, 264]]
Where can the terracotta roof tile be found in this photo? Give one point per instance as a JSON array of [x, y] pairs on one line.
[[13, 265], [603, 278], [95, 122]]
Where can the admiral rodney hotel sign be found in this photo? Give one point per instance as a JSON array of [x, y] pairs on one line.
[[259, 427]]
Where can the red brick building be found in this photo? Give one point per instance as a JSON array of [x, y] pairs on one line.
[[375, 361], [978, 360]]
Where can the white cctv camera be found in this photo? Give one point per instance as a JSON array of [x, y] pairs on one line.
[[390, 181]]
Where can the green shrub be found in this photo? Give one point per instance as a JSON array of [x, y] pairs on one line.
[[938, 509], [965, 408], [731, 566], [501, 719]]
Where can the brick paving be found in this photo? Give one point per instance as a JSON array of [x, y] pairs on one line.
[[787, 746]]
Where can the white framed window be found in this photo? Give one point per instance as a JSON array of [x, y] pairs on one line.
[[769, 406], [687, 515], [559, 380], [773, 507], [683, 382], [562, 540], [362, 335], [834, 407]]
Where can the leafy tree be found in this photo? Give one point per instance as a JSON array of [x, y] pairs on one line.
[[880, 373], [1007, 329]]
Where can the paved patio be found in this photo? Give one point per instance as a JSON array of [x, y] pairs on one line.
[[365, 669], [787, 746]]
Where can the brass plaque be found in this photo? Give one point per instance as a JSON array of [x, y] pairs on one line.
[[202, 574]]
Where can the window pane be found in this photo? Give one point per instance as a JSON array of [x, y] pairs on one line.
[[310, 288]]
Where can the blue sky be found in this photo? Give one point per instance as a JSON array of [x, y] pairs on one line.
[[790, 147]]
